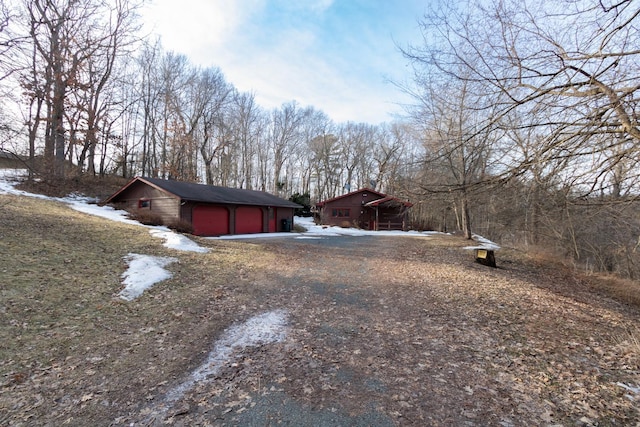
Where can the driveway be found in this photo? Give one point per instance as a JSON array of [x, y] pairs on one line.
[[387, 331]]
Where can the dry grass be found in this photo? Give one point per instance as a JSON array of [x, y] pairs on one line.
[[410, 329], [68, 343], [624, 290], [181, 226], [297, 228], [146, 217], [60, 272], [93, 186]]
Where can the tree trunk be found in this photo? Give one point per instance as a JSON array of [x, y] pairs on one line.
[[466, 219], [57, 126]]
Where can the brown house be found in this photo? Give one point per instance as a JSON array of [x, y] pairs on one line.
[[211, 210], [366, 209]]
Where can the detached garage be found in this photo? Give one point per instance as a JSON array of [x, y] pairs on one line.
[[211, 210]]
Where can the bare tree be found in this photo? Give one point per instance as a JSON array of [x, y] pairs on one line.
[[72, 49], [117, 35], [449, 117], [555, 83], [247, 128], [317, 124], [285, 136], [148, 90], [325, 151], [576, 60], [212, 96], [356, 143], [9, 40], [176, 76]]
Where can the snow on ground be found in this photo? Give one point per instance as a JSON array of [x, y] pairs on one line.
[[8, 180], [315, 231], [266, 328], [180, 242], [483, 244], [144, 271], [173, 240], [634, 391]]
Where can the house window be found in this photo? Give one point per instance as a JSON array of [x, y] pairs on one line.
[[144, 204], [341, 213]]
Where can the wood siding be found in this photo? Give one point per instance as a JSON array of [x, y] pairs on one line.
[[161, 202], [365, 209], [390, 219], [349, 211], [281, 214]]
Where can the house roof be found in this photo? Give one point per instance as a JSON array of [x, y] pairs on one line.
[[210, 193], [389, 201], [362, 190], [8, 155], [382, 199]]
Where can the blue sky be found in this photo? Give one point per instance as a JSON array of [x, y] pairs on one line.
[[336, 55]]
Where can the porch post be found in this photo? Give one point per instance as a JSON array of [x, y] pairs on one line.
[[376, 218]]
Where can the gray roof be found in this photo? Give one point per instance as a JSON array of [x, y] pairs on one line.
[[213, 194], [8, 155]]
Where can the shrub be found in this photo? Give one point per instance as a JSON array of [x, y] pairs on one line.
[[146, 217], [299, 228], [181, 226], [305, 201]]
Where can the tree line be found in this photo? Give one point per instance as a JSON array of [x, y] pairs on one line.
[[529, 116], [97, 99], [524, 127]]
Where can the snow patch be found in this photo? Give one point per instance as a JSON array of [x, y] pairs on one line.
[[484, 243], [634, 391], [144, 271], [315, 231], [259, 330], [180, 242], [9, 178], [173, 240], [106, 212]]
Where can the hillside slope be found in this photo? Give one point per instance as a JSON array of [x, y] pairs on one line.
[[380, 331]]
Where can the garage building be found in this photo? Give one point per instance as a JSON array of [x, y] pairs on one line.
[[211, 210]]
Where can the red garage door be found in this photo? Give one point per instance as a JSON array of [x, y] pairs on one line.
[[210, 220], [248, 220]]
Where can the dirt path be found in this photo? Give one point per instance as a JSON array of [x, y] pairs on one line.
[[394, 331]]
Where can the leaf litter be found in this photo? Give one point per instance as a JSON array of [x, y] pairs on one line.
[[379, 331]]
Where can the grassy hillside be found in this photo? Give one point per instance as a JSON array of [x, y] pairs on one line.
[[67, 338]]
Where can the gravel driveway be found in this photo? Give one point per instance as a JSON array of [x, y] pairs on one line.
[[387, 331]]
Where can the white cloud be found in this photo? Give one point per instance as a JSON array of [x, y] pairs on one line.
[[282, 51], [188, 24], [315, 6]]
